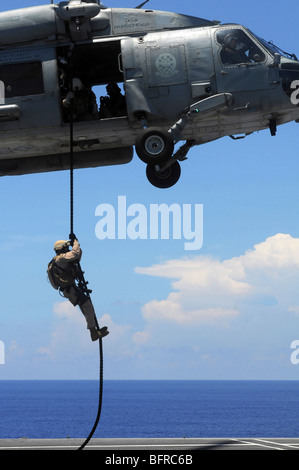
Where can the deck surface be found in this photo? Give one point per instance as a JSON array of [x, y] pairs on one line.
[[156, 446]]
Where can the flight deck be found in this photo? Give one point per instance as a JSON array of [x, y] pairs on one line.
[[116, 447]]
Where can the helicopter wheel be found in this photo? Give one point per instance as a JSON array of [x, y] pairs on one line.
[[154, 147], [164, 179]]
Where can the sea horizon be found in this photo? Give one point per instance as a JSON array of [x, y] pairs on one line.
[[149, 408]]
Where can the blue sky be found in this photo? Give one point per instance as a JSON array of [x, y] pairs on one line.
[[227, 311]]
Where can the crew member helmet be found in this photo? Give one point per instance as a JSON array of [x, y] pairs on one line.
[[60, 244]]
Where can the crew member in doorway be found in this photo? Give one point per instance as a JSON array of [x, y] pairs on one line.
[[80, 103], [113, 105], [63, 272]]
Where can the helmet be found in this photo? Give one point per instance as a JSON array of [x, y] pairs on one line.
[[112, 87], [77, 85], [60, 244], [230, 41]]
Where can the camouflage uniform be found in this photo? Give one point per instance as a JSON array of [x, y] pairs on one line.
[[66, 262]]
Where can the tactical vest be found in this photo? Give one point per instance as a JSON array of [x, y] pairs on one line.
[[58, 277]]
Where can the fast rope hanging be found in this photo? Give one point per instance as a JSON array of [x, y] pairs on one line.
[[82, 282]]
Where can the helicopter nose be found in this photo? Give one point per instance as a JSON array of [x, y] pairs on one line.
[[289, 72]]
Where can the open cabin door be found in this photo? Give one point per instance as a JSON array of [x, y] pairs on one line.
[[95, 65]]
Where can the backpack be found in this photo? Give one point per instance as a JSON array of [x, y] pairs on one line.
[[58, 277]]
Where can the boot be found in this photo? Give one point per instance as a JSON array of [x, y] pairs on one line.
[[96, 334]]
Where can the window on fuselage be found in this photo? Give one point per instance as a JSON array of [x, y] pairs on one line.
[[22, 79], [238, 48]]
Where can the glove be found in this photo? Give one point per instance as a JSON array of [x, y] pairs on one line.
[[72, 238]]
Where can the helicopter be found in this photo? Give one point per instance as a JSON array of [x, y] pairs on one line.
[[185, 80]]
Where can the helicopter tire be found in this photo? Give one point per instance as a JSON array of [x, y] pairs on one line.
[[164, 179], [154, 147]]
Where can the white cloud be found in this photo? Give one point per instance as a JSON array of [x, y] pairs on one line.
[[66, 310], [278, 252], [173, 310], [70, 336], [141, 337], [14, 350], [207, 290], [215, 310], [69, 332], [294, 310]]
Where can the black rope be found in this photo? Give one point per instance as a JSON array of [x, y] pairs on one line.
[[87, 291], [71, 171], [100, 398], [85, 284]]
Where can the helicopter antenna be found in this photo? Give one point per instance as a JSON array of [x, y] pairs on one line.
[[142, 5]]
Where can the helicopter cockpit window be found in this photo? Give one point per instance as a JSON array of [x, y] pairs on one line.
[[22, 79], [238, 48]]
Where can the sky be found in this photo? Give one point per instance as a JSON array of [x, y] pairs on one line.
[[226, 311]]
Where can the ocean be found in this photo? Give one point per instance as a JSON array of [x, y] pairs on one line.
[[61, 409]]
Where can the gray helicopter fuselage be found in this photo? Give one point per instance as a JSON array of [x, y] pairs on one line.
[[168, 65]]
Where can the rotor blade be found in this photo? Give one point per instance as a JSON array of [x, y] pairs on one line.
[[142, 5]]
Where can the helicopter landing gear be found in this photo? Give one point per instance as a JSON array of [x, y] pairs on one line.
[[154, 147], [166, 178], [168, 174]]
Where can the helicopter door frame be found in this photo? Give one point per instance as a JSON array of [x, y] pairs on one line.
[[95, 64]]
